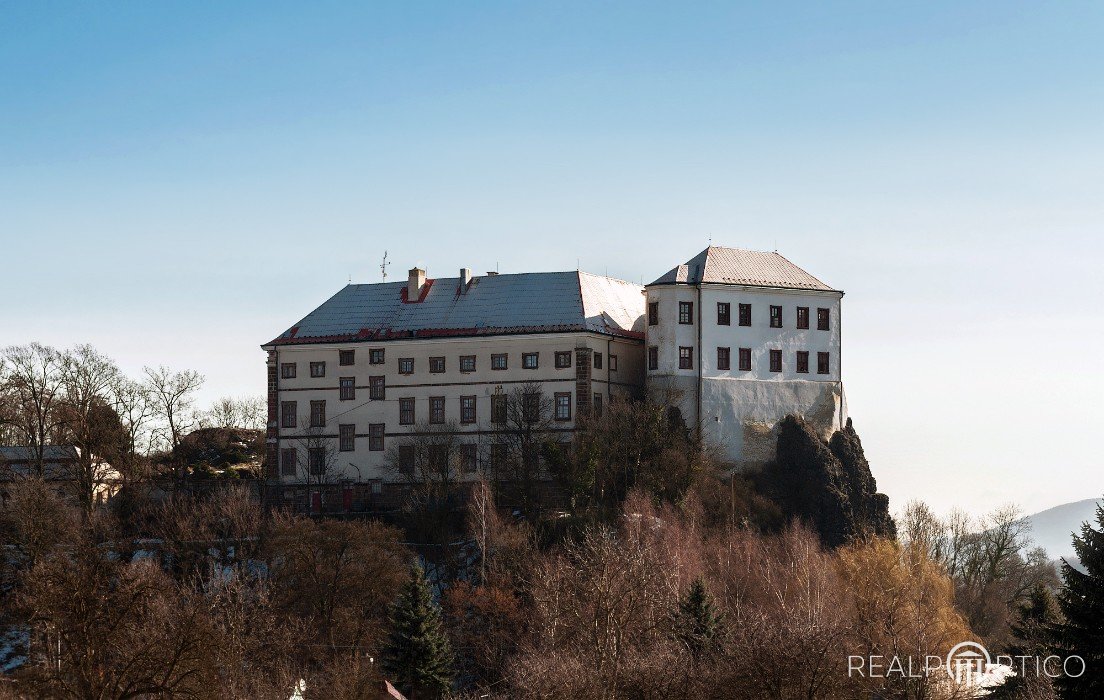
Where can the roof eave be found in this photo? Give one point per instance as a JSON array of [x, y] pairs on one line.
[[745, 285], [430, 334]]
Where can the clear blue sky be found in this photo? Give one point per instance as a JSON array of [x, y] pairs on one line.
[[180, 182]]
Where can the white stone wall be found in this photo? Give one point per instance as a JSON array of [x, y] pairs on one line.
[[738, 409]]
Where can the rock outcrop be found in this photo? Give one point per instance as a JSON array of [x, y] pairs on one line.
[[827, 485]]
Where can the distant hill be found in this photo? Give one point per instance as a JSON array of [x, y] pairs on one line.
[[1053, 529]]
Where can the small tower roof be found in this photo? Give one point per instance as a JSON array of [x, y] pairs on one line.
[[751, 268]]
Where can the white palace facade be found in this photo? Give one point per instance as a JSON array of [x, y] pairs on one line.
[[739, 338]]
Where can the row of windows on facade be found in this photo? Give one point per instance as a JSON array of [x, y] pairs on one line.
[[724, 359], [437, 365], [530, 412], [724, 315], [316, 464]]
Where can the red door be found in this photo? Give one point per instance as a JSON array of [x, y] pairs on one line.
[[347, 499], [316, 502]]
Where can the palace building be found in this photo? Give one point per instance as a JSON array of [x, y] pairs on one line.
[[739, 339]]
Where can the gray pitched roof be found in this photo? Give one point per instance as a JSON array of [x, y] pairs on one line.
[[536, 302], [752, 268], [55, 453], [58, 462]]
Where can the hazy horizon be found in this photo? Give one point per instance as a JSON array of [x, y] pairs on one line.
[[181, 183]]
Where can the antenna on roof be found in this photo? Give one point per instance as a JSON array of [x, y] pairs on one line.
[[383, 266]]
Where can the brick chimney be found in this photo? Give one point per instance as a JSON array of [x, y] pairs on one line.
[[465, 279], [414, 283]]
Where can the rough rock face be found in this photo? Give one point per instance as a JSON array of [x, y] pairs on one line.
[[870, 508], [826, 484]]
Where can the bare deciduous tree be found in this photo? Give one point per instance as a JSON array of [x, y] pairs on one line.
[[249, 413], [32, 380], [90, 422], [173, 396], [317, 460], [516, 453], [133, 403]]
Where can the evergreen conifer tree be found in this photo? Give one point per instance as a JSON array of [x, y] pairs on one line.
[[1031, 638], [417, 655], [697, 623], [1082, 603]]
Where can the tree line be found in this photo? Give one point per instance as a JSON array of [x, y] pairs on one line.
[[656, 572], [79, 397]]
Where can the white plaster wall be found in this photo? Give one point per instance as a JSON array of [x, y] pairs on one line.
[[740, 416], [739, 409], [452, 384]]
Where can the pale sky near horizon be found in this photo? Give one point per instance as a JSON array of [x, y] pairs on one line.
[[180, 182]]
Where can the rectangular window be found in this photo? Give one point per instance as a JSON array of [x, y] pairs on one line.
[[530, 360], [598, 405], [653, 313], [822, 363], [563, 359], [287, 370], [745, 314], [406, 459], [318, 369], [724, 359], [499, 453], [288, 410], [776, 360], [686, 358], [377, 388], [346, 437], [822, 319], [499, 361], [346, 389], [531, 407], [802, 362], [563, 406], [776, 317], [316, 460], [469, 459], [406, 365], [467, 363], [613, 363], [597, 360], [686, 312], [375, 436], [318, 414], [406, 411], [467, 409], [436, 409], [437, 457], [653, 357], [345, 358], [803, 317], [498, 408], [289, 458], [724, 313], [375, 356], [745, 359], [436, 365]]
